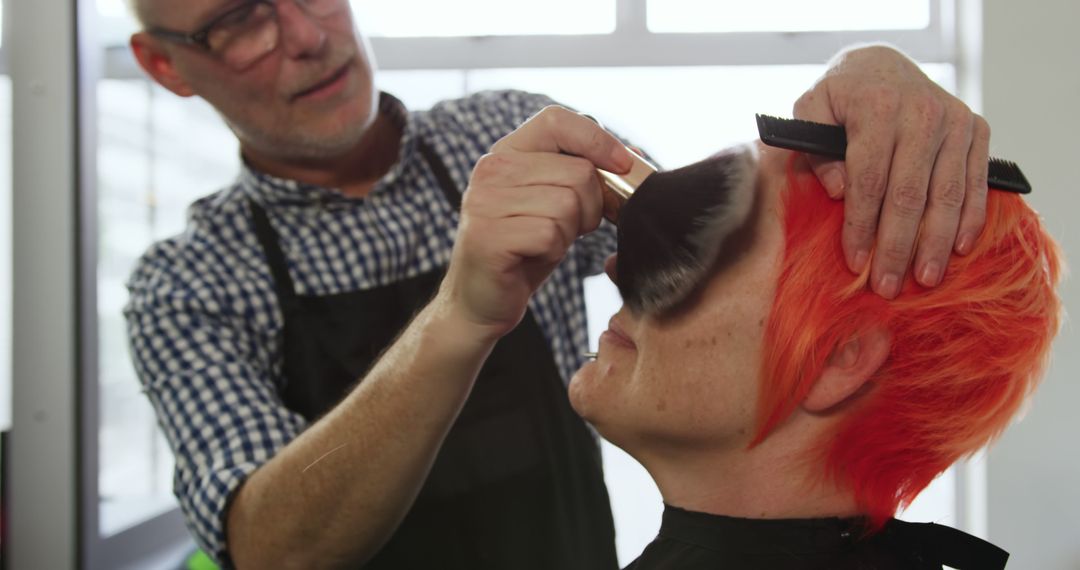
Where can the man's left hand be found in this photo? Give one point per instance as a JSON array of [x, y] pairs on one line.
[[914, 179]]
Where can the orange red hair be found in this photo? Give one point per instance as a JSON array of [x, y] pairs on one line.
[[964, 358]]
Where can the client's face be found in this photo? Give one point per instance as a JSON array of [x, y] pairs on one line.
[[690, 378]]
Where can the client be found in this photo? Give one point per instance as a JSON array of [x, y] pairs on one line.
[[786, 412]]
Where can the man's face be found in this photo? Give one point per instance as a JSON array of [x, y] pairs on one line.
[[311, 97], [690, 378]]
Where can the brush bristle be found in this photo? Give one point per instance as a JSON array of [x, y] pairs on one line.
[[673, 227]]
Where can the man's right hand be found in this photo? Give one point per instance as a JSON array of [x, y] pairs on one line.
[[528, 200]]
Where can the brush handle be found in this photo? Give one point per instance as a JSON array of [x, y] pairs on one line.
[[619, 187]]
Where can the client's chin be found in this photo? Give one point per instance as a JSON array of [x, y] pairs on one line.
[[580, 390]]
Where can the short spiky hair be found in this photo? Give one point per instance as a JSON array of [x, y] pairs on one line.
[[964, 356]]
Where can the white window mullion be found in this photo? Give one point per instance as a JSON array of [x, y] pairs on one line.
[[644, 49], [631, 16]]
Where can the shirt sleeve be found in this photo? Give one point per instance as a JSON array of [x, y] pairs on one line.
[[214, 397]]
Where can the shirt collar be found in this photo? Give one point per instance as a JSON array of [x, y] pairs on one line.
[[760, 536], [930, 543], [271, 190]]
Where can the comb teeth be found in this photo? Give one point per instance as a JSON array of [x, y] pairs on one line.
[[1006, 175], [803, 136], [831, 141]]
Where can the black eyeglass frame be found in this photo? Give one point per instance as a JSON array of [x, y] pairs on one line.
[[200, 36]]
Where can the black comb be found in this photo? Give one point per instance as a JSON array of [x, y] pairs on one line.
[[831, 141]]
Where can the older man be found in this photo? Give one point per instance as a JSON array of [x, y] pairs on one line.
[[340, 254], [786, 412]]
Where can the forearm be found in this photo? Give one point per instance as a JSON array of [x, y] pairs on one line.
[[335, 494]]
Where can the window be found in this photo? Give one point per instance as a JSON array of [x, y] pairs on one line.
[[502, 18], [689, 16], [147, 140]]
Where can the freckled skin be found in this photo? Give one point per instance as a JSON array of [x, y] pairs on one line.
[[692, 378]]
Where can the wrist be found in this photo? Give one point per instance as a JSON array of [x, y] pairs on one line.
[[446, 318]]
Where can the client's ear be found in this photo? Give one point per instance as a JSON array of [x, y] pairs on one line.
[[849, 366]]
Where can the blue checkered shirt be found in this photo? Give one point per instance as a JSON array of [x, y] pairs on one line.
[[203, 318]]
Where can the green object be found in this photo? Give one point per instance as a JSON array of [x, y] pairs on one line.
[[200, 561]]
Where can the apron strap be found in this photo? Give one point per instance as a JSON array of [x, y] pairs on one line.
[[946, 545], [446, 183], [268, 239], [266, 235]]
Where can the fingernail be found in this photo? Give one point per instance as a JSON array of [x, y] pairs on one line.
[[963, 245], [930, 275], [859, 262], [889, 285], [622, 158], [834, 183]]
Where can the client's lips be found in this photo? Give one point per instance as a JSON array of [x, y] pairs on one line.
[[323, 83], [616, 334]]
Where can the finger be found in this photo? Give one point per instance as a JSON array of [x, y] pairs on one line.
[[535, 242], [870, 149], [519, 169], [943, 205], [831, 173], [534, 237], [556, 129], [814, 106], [973, 215], [555, 203], [917, 146]]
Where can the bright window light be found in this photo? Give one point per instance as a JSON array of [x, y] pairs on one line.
[[112, 8], [690, 16], [115, 22], [439, 18]]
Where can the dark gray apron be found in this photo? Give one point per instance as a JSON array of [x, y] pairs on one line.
[[518, 482]]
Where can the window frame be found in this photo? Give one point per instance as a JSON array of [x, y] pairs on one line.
[[162, 539], [632, 44]]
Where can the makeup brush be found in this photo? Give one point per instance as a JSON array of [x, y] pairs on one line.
[[672, 225]]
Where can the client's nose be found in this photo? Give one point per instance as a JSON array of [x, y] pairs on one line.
[[609, 267]]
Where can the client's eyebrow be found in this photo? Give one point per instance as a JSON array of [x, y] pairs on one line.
[[673, 234]]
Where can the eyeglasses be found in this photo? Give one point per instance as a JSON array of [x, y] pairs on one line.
[[245, 33]]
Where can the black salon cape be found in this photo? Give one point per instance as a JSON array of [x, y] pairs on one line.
[[691, 541]]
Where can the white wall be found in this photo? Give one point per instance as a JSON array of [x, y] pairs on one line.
[[1031, 91]]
